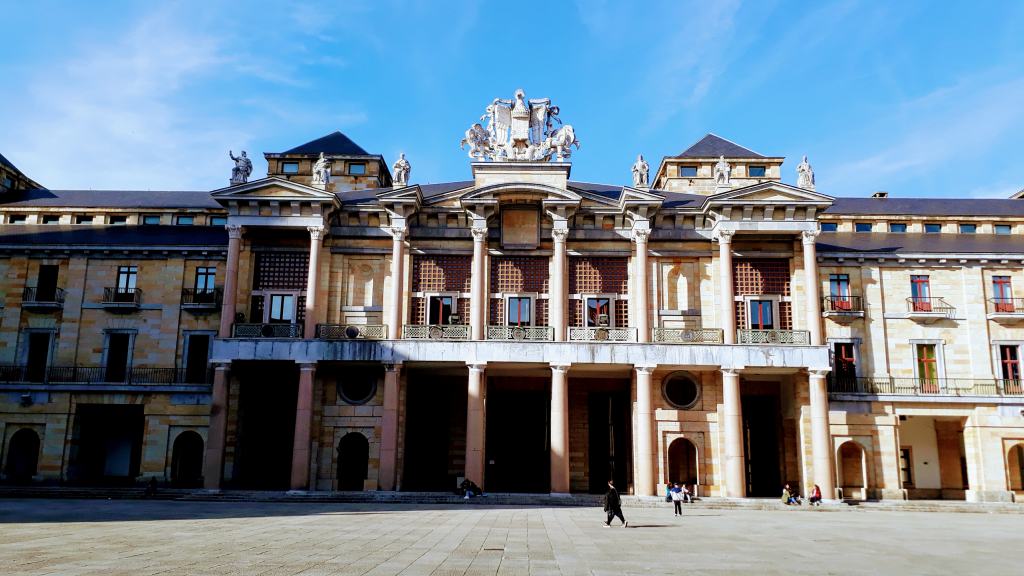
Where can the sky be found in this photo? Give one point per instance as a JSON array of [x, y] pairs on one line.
[[914, 98]]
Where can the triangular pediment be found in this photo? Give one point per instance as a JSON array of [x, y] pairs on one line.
[[272, 189], [769, 193]]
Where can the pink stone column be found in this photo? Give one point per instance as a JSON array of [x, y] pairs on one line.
[[227, 309], [475, 423], [395, 301], [812, 290], [213, 467], [559, 428], [303, 428], [477, 296], [315, 232], [728, 304], [644, 462], [642, 315], [821, 436], [389, 427], [732, 431], [558, 296]]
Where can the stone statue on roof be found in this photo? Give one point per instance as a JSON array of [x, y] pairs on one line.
[[722, 169], [322, 170], [243, 168], [521, 129], [402, 169], [641, 169], [805, 175]]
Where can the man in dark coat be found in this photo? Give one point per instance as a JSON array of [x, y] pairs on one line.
[[613, 506]]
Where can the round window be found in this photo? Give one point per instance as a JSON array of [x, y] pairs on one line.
[[681, 390], [357, 387]]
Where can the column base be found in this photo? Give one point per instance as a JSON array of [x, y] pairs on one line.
[[989, 496], [294, 492], [898, 494], [560, 495]]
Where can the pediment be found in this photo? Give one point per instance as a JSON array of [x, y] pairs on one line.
[[770, 193], [495, 192], [272, 189]]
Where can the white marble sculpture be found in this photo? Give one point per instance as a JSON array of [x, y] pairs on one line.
[[322, 170], [402, 169], [805, 175], [722, 170], [521, 130], [641, 169], [243, 168]]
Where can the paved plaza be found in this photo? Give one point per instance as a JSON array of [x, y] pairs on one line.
[[71, 537]]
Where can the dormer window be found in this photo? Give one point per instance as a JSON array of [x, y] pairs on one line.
[[968, 228], [117, 220], [151, 219], [757, 171], [290, 167], [862, 227], [16, 219], [687, 171], [83, 219], [1003, 229], [218, 220], [357, 168], [51, 218], [897, 227], [829, 226], [184, 220]]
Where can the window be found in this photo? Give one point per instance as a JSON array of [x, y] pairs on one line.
[[1009, 362], [197, 354], [599, 311], [205, 276], [862, 226], [762, 315], [829, 226], [440, 309], [1003, 229], [897, 227], [687, 171], [844, 363], [520, 311], [16, 219], [51, 218], [681, 390], [906, 468], [218, 220], [282, 309], [117, 220], [46, 283], [357, 168], [756, 171], [8, 183], [1002, 294], [968, 228], [839, 292], [83, 219], [118, 354], [184, 220], [920, 294], [290, 167], [932, 228], [151, 219], [927, 368], [38, 356], [126, 279]]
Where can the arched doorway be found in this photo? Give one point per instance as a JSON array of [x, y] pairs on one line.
[[187, 460], [22, 456], [682, 462], [353, 456], [1015, 467], [852, 471]]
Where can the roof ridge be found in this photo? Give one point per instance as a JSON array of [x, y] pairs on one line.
[[734, 143]]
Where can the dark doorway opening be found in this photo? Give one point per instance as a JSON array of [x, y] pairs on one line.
[[187, 460], [762, 434], [107, 443], [353, 460], [266, 425], [118, 352], [518, 455], [435, 431], [22, 456], [608, 440], [46, 284], [38, 356], [196, 358], [682, 462]]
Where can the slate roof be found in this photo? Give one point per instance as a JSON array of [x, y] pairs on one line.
[[927, 207], [4, 161], [89, 235], [880, 244], [43, 198], [712, 146], [333, 143]]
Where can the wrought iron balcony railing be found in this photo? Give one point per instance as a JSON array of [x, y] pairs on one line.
[[1006, 306], [122, 297], [203, 298], [351, 331], [133, 375], [927, 386], [775, 337], [270, 330], [35, 297], [601, 334], [929, 305], [842, 304], [687, 335], [435, 332], [520, 333]]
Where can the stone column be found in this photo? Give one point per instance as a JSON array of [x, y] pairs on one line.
[[395, 300], [727, 311], [303, 428], [642, 315], [315, 232], [227, 309], [559, 428], [477, 296], [821, 436], [475, 423], [732, 430], [644, 462], [812, 290], [557, 297], [389, 427], [213, 467]]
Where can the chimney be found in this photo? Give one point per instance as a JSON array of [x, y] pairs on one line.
[[880, 194]]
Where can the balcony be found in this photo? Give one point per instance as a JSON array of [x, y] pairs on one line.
[[435, 332], [266, 330], [34, 298], [842, 308], [200, 300], [541, 333], [12, 374], [601, 334], [351, 332], [927, 386], [1006, 310], [774, 337], [122, 298], [927, 309], [687, 335]]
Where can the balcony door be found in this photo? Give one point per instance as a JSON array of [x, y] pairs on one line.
[[762, 315], [281, 309], [927, 368], [520, 311], [46, 285], [1002, 294], [197, 355], [118, 354], [1009, 364], [844, 365], [38, 356], [127, 276], [839, 290], [440, 308], [920, 294]]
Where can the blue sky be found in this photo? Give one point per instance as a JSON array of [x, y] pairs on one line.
[[917, 98]]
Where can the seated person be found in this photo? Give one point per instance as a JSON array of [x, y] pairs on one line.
[[789, 497], [470, 489]]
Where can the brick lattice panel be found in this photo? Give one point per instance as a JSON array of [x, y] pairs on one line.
[[785, 315], [419, 311], [441, 273], [598, 276], [622, 313], [281, 271], [761, 277], [576, 313], [497, 312], [510, 274]]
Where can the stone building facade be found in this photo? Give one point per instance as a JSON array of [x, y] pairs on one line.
[[522, 329]]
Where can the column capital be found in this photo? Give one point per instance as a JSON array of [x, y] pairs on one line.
[[479, 234], [820, 373], [560, 367], [234, 231], [724, 236], [315, 232], [640, 235], [221, 365], [730, 371], [645, 368], [809, 236], [559, 234], [478, 366], [396, 232], [308, 367], [393, 367]]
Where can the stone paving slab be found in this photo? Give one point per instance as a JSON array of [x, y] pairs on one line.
[[112, 537]]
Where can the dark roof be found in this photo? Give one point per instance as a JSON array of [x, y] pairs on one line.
[[680, 199], [604, 190], [6, 162], [108, 199], [333, 143], [712, 146], [428, 191], [927, 207], [88, 235], [880, 244]]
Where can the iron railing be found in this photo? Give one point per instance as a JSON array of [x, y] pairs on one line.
[[103, 375], [929, 304], [601, 334], [35, 296], [520, 333], [268, 330], [927, 386], [122, 296], [1006, 306], [842, 304], [779, 337], [202, 298], [435, 332], [351, 331], [687, 335]]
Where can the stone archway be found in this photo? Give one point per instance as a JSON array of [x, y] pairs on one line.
[[187, 460], [1015, 467], [353, 461], [853, 470], [22, 456], [682, 462]]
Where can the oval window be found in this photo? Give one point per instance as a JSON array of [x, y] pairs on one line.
[[357, 387], [681, 390]]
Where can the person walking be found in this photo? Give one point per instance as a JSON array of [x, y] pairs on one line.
[[677, 499], [613, 506]]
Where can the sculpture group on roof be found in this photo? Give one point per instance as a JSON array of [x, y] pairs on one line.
[[520, 130]]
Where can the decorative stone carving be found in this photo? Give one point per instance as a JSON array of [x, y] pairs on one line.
[[724, 236], [559, 234], [520, 130], [805, 175], [641, 169], [640, 235], [315, 232], [809, 236], [479, 234], [322, 170], [722, 170], [242, 170], [234, 231], [397, 232], [402, 169]]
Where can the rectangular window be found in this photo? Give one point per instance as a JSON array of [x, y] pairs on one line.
[[756, 171], [218, 220], [126, 279], [1009, 362], [83, 219], [117, 220], [599, 312], [51, 218], [290, 167], [761, 315], [184, 220], [197, 358], [927, 368], [8, 183], [282, 309], [38, 356], [920, 294], [968, 228], [440, 309], [1002, 294], [356, 168], [520, 310], [844, 363], [897, 227], [829, 226], [16, 219], [118, 354], [906, 468], [151, 219], [1003, 229], [687, 171], [205, 277], [932, 228], [862, 226], [46, 283], [839, 292]]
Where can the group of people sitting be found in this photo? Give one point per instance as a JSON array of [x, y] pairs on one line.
[[791, 498]]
